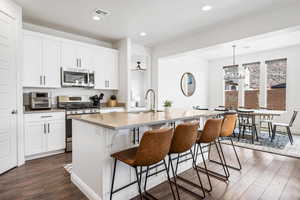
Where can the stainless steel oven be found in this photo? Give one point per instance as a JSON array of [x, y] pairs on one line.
[[74, 77]]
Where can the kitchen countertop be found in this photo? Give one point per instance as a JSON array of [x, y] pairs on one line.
[[125, 120], [44, 111]]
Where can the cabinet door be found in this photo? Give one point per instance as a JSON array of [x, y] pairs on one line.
[[51, 63], [68, 55], [85, 57], [100, 69], [32, 61], [113, 82], [34, 138], [56, 135]]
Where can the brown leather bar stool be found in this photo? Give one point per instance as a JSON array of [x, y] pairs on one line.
[[227, 130], [153, 148], [184, 138], [210, 135]]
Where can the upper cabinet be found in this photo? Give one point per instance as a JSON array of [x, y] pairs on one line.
[[32, 61], [106, 68], [74, 55], [44, 56], [41, 61]]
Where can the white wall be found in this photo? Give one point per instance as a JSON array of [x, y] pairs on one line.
[[216, 82], [255, 24], [170, 72], [70, 36]]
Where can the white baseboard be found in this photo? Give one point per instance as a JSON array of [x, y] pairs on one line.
[[42, 155], [84, 188]]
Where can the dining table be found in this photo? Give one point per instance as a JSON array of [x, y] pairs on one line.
[[262, 114]]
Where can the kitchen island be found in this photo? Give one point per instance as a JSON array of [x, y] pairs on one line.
[[97, 136]]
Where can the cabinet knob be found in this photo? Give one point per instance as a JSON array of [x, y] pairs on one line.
[[14, 112]]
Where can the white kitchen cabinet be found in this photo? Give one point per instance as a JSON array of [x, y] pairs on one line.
[[56, 135], [51, 63], [85, 57], [106, 68], [32, 61], [34, 138], [41, 61], [76, 55], [69, 55], [44, 133]]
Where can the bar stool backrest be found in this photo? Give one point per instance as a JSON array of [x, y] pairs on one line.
[[154, 147], [295, 113], [185, 136], [211, 131], [228, 125]]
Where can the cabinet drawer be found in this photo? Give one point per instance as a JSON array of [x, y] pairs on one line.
[[44, 116]]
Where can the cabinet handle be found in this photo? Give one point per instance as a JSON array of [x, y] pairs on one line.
[[76, 62], [48, 116], [41, 80], [45, 128], [108, 83], [48, 128], [44, 80], [80, 62]]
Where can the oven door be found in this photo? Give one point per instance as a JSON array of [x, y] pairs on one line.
[[75, 79]]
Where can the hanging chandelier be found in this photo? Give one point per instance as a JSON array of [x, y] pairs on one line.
[[233, 73]]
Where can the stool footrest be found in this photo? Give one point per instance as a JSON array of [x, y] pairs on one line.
[[213, 174], [187, 190], [192, 183], [230, 166]]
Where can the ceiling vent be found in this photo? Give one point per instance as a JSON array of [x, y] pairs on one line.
[[100, 13]]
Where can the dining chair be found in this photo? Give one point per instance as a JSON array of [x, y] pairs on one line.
[[287, 126], [266, 119], [246, 119]]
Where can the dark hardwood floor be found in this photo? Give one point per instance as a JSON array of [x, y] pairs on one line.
[[264, 176]]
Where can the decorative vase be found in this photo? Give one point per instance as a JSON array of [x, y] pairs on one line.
[[112, 103], [167, 109]]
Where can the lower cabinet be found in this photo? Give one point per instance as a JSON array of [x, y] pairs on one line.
[[44, 133]]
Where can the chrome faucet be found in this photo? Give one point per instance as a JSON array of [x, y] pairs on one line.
[[153, 107]]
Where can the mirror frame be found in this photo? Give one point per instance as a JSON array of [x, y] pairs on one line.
[[186, 73]]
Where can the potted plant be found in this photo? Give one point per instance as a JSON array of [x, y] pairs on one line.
[[112, 102], [167, 105]]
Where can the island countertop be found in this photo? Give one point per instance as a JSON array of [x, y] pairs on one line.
[[125, 120]]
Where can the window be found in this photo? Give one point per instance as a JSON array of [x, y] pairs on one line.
[[231, 87], [251, 85], [276, 84]]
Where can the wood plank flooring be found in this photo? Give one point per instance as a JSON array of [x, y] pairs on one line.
[[264, 176]]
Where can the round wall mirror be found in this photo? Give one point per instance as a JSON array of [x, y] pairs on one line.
[[188, 84]]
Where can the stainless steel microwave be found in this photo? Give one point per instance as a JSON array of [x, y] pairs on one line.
[[74, 77]]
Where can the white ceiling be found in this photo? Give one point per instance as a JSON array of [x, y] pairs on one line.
[[265, 42], [161, 19]]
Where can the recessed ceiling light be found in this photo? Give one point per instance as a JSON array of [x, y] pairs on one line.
[[143, 34], [247, 47], [96, 18], [206, 8]]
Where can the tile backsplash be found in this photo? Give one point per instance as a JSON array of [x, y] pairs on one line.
[[67, 92]]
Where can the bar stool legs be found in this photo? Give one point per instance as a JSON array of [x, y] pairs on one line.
[[236, 155], [176, 176], [212, 173], [113, 179], [169, 180]]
